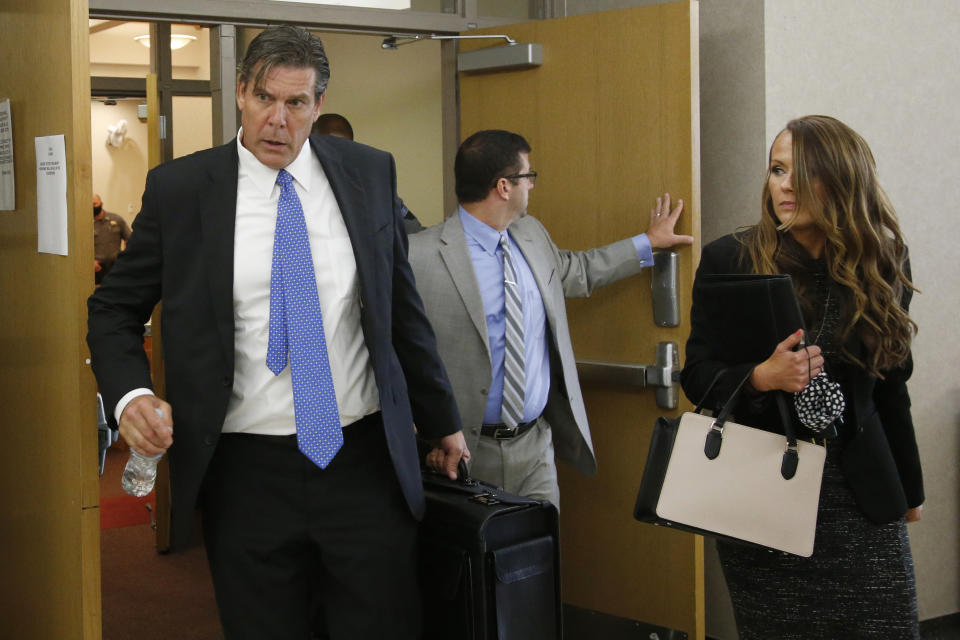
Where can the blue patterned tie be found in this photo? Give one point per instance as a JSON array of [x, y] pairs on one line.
[[296, 328]]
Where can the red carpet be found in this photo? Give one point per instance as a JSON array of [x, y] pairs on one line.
[[124, 511], [147, 595]]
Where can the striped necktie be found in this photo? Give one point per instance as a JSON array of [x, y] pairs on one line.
[[296, 329], [513, 377]]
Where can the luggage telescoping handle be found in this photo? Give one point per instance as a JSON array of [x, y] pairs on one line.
[[714, 439]]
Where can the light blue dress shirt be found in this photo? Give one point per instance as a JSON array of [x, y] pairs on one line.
[[483, 243]]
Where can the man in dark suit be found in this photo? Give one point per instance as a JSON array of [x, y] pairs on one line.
[[297, 355]]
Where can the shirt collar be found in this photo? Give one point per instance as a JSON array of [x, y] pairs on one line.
[[480, 232], [264, 178]]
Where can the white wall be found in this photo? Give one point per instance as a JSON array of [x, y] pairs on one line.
[[393, 101], [118, 172], [733, 153], [888, 69], [192, 124]]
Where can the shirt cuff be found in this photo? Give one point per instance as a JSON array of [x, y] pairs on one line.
[[125, 400], [644, 251]]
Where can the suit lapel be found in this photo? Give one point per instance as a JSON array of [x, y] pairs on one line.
[[456, 258], [345, 182], [542, 266], [348, 190], [218, 215]]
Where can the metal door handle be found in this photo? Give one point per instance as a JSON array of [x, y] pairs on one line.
[[663, 285], [662, 376], [105, 435]]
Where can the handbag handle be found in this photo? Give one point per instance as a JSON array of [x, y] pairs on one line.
[[714, 439], [710, 387]]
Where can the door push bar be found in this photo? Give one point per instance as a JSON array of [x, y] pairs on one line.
[[662, 376], [105, 435]]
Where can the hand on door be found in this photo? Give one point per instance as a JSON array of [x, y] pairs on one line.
[[662, 223]]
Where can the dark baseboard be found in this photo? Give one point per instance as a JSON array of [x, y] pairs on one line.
[[584, 624], [942, 628]]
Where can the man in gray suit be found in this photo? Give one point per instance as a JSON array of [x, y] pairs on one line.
[[493, 284]]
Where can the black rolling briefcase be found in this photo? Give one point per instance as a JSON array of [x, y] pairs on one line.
[[489, 563]]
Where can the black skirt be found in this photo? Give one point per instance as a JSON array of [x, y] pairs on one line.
[[859, 583]]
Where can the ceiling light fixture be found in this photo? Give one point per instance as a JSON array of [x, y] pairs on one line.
[[177, 40]]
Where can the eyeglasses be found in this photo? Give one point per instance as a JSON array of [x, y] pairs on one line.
[[532, 176]]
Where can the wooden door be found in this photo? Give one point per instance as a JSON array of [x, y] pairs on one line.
[[50, 524], [612, 116], [161, 515]]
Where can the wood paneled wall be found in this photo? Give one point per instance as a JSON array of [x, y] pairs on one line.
[[49, 527]]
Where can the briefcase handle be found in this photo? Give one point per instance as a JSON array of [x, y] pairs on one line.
[[714, 439], [463, 475]]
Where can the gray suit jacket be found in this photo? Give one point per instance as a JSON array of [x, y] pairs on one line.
[[451, 296]]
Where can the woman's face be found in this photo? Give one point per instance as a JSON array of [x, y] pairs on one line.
[[781, 183]]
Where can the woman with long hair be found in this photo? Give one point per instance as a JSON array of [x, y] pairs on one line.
[[828, 224]]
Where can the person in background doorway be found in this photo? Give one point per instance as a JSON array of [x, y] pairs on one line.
[[827, 223], [334, 124], [494, 286], [298, 356], [110, 235]]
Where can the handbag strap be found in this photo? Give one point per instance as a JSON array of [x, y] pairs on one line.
[[791, 455], [714, 439], [706, 394]]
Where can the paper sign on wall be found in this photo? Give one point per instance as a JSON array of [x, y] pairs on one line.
[[51, 195], [7, 194]]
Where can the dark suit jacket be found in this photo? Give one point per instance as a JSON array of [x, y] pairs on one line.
[[182, 252], [880, 458]]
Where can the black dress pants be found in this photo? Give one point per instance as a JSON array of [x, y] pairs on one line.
[[284, 537]]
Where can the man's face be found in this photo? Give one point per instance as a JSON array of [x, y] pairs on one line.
[[277, 117], [97, 206], [520, 197]]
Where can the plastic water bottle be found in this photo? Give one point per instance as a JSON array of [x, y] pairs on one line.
[[140, 474]]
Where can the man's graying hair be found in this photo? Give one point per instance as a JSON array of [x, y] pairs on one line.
[[285, 46]]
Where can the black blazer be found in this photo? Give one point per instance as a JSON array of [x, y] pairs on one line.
[[182, 252], [880, 458]]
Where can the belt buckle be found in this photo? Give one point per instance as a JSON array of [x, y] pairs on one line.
[[504, 433]]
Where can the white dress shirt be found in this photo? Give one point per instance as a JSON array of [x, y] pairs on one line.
[[261, 402]]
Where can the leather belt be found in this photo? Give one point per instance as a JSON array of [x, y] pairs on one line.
[[503, 432]]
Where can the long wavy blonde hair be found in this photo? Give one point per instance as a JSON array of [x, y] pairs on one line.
[[835, 179]]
